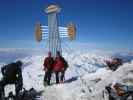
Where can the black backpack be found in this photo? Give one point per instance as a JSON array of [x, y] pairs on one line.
[[65, 63], [9, 71]]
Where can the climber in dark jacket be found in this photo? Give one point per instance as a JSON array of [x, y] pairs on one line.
[[63, 70], [12, 74]]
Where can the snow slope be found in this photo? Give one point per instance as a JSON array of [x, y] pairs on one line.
[[33, 73], [79, 65], [90, 86], [85, 78]]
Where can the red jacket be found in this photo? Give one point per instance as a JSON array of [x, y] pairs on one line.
[[48, 63], [58, 64]]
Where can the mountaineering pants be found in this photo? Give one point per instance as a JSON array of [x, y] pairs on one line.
[[59, 78], [62, 75], [47, 76]]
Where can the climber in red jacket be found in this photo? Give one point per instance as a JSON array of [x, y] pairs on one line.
[[59, 66], [48, 67]]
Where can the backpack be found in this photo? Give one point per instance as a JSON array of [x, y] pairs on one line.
[[9, 71], [65, 63]]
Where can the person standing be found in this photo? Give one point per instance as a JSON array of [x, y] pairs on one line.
[[48, 67], [59, 67]]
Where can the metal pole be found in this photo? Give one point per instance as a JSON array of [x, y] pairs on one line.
[[54, 37]]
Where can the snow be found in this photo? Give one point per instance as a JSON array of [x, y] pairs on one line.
[[90, 86], [86, 76], [34, 73], [9, 88]]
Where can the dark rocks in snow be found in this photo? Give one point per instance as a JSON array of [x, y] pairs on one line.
[[120, 92], [114, 63], [31, 94]]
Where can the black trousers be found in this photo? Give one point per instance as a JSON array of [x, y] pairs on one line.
[[47, 76], [62, 75], [59, 78]]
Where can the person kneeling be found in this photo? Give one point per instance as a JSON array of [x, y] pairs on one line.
[[12, 74]]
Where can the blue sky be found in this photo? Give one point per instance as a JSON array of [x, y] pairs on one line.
[[100, 23]]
